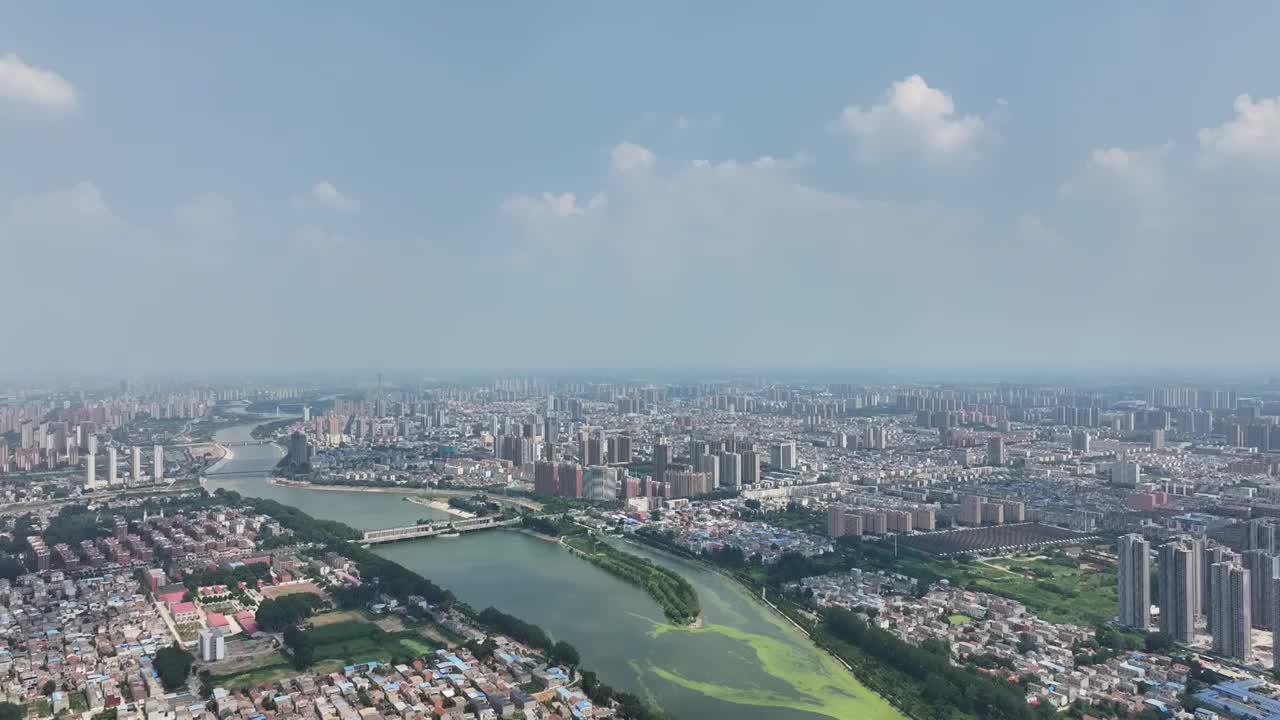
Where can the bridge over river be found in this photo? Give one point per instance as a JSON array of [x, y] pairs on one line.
[[413, 532]]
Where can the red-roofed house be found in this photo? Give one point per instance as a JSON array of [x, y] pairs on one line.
[[184, 612], [170, 598], [217, 620], [247, 623]]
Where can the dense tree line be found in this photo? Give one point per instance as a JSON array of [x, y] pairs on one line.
[[480, 506], [231, 577], [279, 613], [173, 665], [630, 707], [561, 525], [674, 594], [516, 629], [944, 688]]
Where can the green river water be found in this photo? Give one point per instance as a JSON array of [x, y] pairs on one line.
[[744, 663]]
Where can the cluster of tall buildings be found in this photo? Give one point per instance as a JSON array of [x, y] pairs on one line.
[[843, 521], [976, 510], [1199, 581], [112, 478]]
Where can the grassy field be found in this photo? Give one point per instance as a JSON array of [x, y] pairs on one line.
[[339, 640], [1057, 592], [958, 619], [330, 618]]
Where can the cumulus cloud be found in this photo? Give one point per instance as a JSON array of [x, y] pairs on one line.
[[29, 85], [627, 158], [913, 116], [552, 206], [1252, 135], [326, 196], [1141, 172], [81, 206]]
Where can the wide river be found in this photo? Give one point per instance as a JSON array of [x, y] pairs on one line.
[[745, 663]]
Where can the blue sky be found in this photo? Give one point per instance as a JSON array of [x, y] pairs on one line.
[[561, 185]]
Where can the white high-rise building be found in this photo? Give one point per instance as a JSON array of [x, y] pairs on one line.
[[136, 470], [710, 464], [211, 645], [782, 456], [111, 467], [1135, 581], [157, 455], [730, 469], [1231, 612], [1263, 568], [1126, 473], [90, 472], [874, 437], [1178, 587]]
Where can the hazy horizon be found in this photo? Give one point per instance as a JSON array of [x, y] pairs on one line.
[[1075, 189]]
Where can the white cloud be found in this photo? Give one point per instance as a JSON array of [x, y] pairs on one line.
[[27, 84], [1141, 172], [552, 206], [1252, 135], [627, 158], [314, 238], [79, 207], [913, 116], [325, 195]]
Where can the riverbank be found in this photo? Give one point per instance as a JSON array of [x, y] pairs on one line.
[[441, 506], [674, 594], [759, 596], [416, 491], [227, 456]]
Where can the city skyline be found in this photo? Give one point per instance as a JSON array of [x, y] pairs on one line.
[[1086, 188]]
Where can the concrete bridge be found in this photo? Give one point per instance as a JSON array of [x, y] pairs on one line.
[[413, 532], [245, 443]]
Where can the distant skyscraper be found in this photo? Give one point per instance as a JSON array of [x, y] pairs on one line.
[[782, 456], [1157, 439], [90, 472], [1260, 534], [111, 467], [1080, 441], [1263, 568], [730, 469], [750, 467], [971, 510], [710, 465], [1134, 582], [661, 459], [1178, 587], [995, 451], [157, 463], [136, 469], [1126, 473], [1274, 611], [697, 450], [1231, 611]]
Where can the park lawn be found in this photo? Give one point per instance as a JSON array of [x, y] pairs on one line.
[[358, 641], [331, 618], [958, 619], [1057, 593], [273, 672]]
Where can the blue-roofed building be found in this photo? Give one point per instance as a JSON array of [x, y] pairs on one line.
[[1237, 698]]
